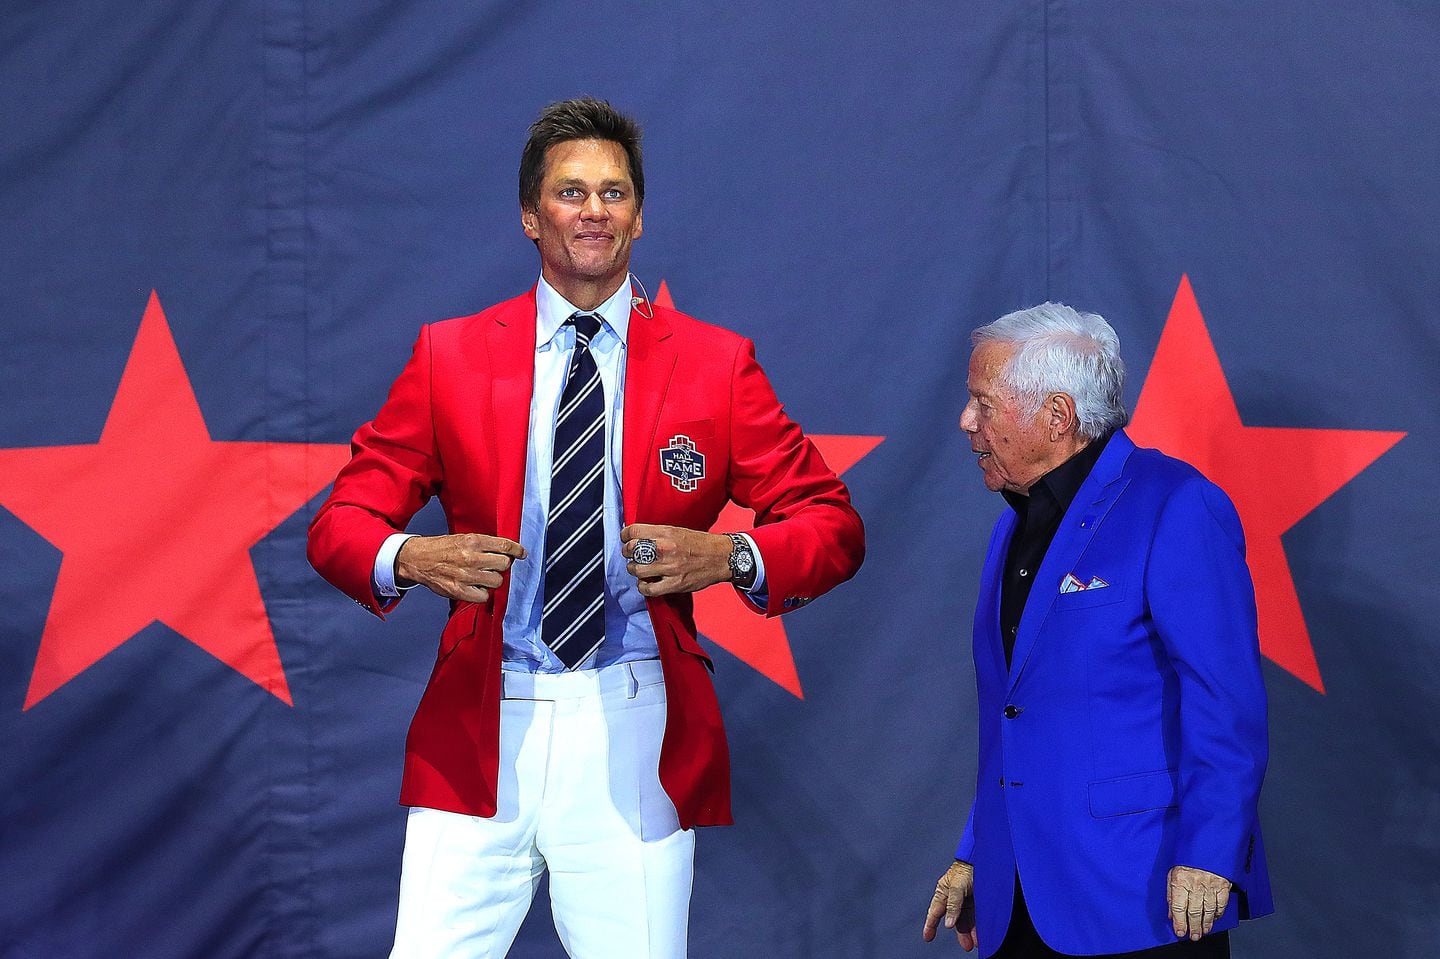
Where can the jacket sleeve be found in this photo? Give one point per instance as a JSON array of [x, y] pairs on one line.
[[393, 471], [965, 852], [810, 536], [1202, 602]]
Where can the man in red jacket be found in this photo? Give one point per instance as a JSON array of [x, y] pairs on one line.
[[581, 440]]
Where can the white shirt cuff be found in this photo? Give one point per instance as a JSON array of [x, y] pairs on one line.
[[383, 579], [757, 593]]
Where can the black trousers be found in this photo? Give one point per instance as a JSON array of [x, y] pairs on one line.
[[1023, 942]]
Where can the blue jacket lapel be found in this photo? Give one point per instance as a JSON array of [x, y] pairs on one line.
[[1093, 501], [987, 606]]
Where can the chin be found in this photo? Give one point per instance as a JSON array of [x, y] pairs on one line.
[[593, 270]]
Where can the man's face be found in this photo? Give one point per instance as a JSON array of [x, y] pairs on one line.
[[587, 215], [1013, 444]]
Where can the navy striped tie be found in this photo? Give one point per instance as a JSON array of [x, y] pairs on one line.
[[573, 621]]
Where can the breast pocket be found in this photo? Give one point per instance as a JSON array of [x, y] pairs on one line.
[[691, 429], [1088, 598]]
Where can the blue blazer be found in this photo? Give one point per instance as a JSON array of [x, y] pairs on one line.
[[1129, 734]]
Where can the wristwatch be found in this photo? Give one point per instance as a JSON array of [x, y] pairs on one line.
[[742, 562]]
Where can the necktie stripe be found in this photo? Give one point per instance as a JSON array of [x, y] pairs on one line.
[[572, 617], [581, 471], [579, 490], [555, 603], [585, 616], [580, 531], [583, 394], [575, 447], [586, 653]]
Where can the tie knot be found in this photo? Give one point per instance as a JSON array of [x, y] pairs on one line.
[[586, 326]]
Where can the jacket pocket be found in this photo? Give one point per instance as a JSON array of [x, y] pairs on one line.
[[461, 626], [689, 644], [1128, 795], [694, 429]]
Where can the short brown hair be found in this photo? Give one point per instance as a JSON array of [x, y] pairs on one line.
[[584, 118]]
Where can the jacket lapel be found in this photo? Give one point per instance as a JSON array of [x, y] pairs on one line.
[[510, 340], [987, 616], [649, 363], [1087, 511]]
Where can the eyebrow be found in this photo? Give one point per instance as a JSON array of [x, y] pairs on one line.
[[577, 181]]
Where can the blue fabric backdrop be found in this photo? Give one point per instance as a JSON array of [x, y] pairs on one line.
[[853, 185]]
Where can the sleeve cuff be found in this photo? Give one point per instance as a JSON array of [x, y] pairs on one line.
[[382, 580], [757, 595]]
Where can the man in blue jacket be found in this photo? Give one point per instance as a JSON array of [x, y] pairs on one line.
[[1122, 711]]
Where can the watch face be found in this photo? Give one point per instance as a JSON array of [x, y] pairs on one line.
[[742, 561]]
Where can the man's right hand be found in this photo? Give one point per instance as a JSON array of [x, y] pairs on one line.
[[954, 902], [461, 566]]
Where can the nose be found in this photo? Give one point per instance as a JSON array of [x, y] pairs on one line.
[[968, 422], [593, 208]]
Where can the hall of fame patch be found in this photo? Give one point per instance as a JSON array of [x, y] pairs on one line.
[[683, 463]]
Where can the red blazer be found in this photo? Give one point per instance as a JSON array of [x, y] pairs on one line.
[[456, 425]]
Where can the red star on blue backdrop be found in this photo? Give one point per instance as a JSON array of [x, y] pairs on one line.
[[1275, 476], [155, 523]]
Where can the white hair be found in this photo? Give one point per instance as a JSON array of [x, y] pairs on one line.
[[1062, 350]]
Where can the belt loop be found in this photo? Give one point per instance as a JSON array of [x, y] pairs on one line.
[[633, 687]]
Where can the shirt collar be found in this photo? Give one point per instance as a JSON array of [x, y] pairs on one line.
[[1062, 483], [552, 310]]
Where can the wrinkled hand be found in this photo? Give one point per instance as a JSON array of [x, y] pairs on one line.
[[1197, 898], [687, 560], [461, 566], [954, 901]]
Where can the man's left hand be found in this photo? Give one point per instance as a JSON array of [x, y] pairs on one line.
[[1197, 898], [686, 560]]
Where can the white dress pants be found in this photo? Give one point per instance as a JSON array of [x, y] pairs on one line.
[[580, 795]]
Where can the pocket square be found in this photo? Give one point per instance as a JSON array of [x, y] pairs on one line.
[[1074, 584]]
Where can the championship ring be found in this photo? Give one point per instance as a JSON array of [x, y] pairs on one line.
[[645, 552]]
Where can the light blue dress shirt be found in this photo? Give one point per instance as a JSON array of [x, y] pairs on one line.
[[629, 634]]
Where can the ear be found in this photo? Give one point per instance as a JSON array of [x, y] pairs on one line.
[[1061, 419], [530, 223], [639, 225]]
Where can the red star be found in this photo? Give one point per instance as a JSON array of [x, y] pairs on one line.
[[722, 616], [155, 523], [1275, 476]]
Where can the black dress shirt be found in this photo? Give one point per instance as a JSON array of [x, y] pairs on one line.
[[1038, 517]]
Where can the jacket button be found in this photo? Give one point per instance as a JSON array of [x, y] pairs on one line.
[[1011, 712]]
